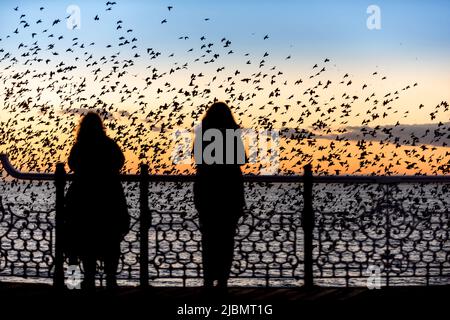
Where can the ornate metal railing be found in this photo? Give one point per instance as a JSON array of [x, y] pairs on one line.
[[324, 230], [399, 230]]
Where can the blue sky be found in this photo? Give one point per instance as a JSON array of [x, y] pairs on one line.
[[302, 28]]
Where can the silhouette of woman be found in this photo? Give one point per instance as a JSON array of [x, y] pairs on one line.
[[96, 217], [218, 190]]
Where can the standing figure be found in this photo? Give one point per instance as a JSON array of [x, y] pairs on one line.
[[218, 190], [96, 216]]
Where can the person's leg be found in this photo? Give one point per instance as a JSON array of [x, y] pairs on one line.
[[226, 253], [111, 262], [89, 266], [208, 279]]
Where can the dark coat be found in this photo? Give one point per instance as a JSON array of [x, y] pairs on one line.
[[96, 216], [220, 187]]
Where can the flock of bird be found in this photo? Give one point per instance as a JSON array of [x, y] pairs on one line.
[[46, 87]]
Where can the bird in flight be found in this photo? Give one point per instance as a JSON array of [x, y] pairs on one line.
[[265, 80]]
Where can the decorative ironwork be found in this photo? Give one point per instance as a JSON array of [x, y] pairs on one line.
[[403, 229], [26, 234]]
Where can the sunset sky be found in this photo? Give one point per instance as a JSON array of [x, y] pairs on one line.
[[259, 49]]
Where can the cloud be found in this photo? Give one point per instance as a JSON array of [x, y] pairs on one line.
[[437, 134], [298, 134], [106, 115]]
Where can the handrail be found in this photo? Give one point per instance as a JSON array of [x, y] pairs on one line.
[[13, 172]]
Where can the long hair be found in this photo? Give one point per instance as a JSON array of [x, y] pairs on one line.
[[219, 116], [90, 128]]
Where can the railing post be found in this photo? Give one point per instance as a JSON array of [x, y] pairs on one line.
[[144, 221], [60, 182], [308, 225]]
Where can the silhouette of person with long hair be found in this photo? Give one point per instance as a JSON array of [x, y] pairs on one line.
[[96, 216], [218, 190]]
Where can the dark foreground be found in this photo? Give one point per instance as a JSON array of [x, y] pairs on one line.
[[236, 303]]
